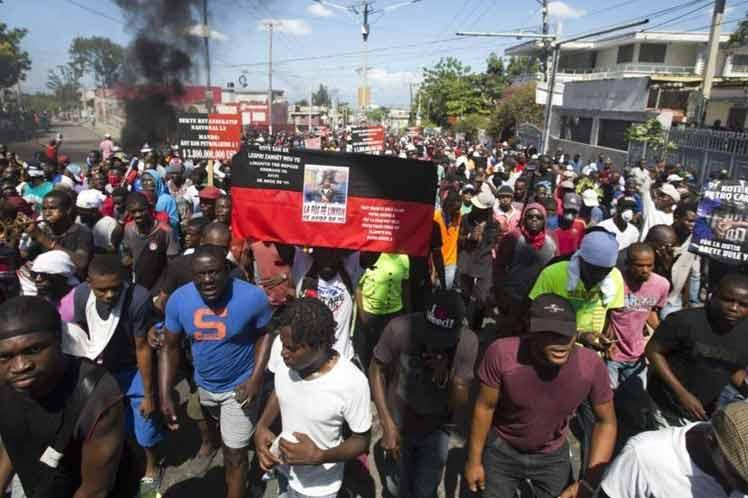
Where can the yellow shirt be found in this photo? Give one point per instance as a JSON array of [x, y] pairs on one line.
[[382, 285], [588, 304]]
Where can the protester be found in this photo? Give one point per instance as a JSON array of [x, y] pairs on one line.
[[506, 213], [568, 236], [420, 376], [478, 237], [657, 210], [312, 446], [685, 272], [704, 460], [53, 273], [225, 320], [448, 219], [114, 317], [620, 224], [55, 408], [695, 353], [529, 388]]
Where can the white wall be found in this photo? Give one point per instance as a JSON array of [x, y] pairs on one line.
[[606, 58], [717, 110], [681, 54]]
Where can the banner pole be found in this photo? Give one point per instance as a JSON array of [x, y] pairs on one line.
[[210, 172]]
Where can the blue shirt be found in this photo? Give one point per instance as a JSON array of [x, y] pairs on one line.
[[223, 335]]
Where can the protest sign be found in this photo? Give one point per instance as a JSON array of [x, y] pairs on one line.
[[721, 229], [209, 136], [367, 139], [329, 199]]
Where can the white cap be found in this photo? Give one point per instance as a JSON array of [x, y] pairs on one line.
[[670, 191], [90, 199], [674, 178], [589, 198], [56, 262], [107, 135], [484, 200]]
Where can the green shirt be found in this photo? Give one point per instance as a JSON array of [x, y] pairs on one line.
[[381, 285], [588, 304]]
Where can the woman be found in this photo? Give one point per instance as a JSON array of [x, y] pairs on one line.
[[520, 257], [164, 203]]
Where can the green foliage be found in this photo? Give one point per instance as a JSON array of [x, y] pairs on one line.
[[519, 107], [739, 38], [522, 65], [470, 125], [99, 57], [14, 62], [302, 103], [321, 97], [38, 102], [64, 82], [378, 115], [653, 135]]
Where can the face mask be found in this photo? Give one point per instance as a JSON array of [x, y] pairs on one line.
[[627, 215]]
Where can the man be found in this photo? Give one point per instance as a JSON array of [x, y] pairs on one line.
[[621, 224], [467, 193], [10, 194], [570, 232], [685, 272], [88, 205], [55, 407], [520, 190], [106, 146], [60, 231], [478, 236], [704, 460], [530, 387], [505, 212], [657, 210], [311, 449], [697, 352], [114, 318], [149, 244], [645, 294], [37, 186], [223, 210], [53, 273], [448, 218], [421, 374], [208, 197], [663, 240], [225, 320]]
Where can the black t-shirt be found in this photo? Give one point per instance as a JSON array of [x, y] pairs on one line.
[[702, 359], [419, 270], [137, 317], [28, 427], [77, 238]]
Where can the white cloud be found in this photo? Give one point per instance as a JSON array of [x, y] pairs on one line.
[[319, 10], [204, 31], [294, 27], [384, 78], [561, 10]]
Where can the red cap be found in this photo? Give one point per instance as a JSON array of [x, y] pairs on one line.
[[211, 193]]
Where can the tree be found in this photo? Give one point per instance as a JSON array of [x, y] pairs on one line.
[[64, 82], [654, 137], [302, 103], [522, 65], [378, 115], [517, 108], [14, 62], [98, 56], [449, 91], [321, 97], [739, 38]]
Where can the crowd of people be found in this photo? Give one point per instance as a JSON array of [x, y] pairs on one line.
[[558, 302]]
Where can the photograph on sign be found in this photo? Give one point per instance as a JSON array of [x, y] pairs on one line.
[[721, 228], [325, 193]]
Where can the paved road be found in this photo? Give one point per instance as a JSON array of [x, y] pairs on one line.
[[77, 142]]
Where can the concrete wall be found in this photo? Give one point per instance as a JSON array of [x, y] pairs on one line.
[[717, 110], [587, 152], [606, 58], [681, 54]]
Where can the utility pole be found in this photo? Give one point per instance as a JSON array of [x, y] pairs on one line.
[[556, 45], [206, 42], [545, 42], [418, 113], [711, 58], [269, 26], [310, 113]]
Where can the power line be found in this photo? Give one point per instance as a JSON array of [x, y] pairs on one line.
[[96, 12], [680, 17]]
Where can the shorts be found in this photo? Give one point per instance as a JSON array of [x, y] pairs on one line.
[[148, 432], [237, 423]]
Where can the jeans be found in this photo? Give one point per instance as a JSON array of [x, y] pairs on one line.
[[449, 275], [694, 288], [620, 372], [728, 395], [421, 466], [367, 336], [547, 474]]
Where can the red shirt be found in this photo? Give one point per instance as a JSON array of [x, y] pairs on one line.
[[533, 412], [569, 239]]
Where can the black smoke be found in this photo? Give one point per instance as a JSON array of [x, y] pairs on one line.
[[159, 61]]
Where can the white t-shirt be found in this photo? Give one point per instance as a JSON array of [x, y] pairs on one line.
[[319, 408], [336, 296], [102, 232], [656, 464], [625, 238]]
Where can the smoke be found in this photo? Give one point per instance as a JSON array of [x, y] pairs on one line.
[[158, 62]]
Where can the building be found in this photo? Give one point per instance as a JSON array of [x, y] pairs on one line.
[[397, 119], [253, 106], [300, 115], [605, 85]]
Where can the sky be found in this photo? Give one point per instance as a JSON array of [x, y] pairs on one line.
[[315, 44]]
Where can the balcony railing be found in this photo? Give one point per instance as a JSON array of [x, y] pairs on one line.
[[617, 71]]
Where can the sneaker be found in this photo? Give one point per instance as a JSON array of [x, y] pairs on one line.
[[150, 487]]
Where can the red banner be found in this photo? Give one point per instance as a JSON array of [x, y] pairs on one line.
[[367, 139]]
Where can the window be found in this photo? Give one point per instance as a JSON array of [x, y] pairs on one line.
[[652, 52], [612, 134], [740, 62], [625, 54]]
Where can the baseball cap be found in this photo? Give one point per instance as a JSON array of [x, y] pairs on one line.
[[505, 190], [674, 178], [34, 169], [670, 191], [56, 262], [468, 188], [484, 200], [589, 197], [444, 314], [552, 313], [89, 199], [210, 193], [730, 428], [572, 201]]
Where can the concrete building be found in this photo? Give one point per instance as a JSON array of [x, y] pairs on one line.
[[253, 106], [397, 119], [605, 85]]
